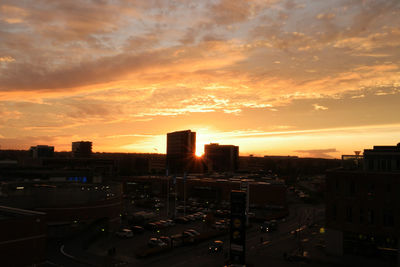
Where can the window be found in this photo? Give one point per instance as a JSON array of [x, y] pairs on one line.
[[362, 216], [371, 190], [334, 212], [352, 188], [382, 165], [337, 187], [349, 214], [388, 219], [370, 217], [388, 188], [370, 164]]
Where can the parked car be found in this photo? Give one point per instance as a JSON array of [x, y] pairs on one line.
[[166, 240], [163, 223], [216, 246], [193, 232], [137, 229], [219, 226], [188, 237], [182, 220], [151, 226], [155, 242], [124, 233], [190, 217], [159, 225]]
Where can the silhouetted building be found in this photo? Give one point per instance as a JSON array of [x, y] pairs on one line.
[[382, 158], [181, 149], [41, 151], [22, 237], [362, 205], [221, 158], [67, 204], [263, 194], [81, 149]]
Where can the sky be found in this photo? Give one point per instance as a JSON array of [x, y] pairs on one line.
[[275, 77]]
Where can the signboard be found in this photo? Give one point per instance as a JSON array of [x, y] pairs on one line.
[[237, 250]]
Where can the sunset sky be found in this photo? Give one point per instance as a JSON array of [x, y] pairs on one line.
[[275, 77]]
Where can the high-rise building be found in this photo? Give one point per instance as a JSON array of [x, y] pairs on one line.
[[81, 149], [221, 158], [181, 149], [362, 204]]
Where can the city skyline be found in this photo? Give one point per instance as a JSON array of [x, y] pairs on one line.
[[277, 77]]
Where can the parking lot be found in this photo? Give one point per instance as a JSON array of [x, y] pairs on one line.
[[152, 232]]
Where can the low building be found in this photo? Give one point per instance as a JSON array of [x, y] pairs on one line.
[[22, 237], [67, 205], [262, 193], [41, 151]]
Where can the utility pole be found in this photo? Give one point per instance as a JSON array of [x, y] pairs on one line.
[[167, 196], [184, 194], [174, 181]]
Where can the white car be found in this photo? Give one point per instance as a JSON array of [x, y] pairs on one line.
[[124, 233]]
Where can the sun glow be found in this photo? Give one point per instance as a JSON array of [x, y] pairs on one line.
[[203, 136]]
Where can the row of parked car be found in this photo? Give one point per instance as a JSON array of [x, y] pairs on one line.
[[157, 225], [191, 217], [187, 236], [221, 224], [130, 232]]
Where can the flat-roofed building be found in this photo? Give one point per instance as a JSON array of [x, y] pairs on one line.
[[221, 158], [181, 149]]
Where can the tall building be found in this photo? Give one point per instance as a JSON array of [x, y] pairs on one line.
[[221, 158], [363, 205], [81, 149], [181, 149]]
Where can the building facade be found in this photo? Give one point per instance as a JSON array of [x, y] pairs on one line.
[[181, 149], [221, 158], [382, 159], [363, 207]]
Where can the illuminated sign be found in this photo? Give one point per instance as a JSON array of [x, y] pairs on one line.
[[237, 251]]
